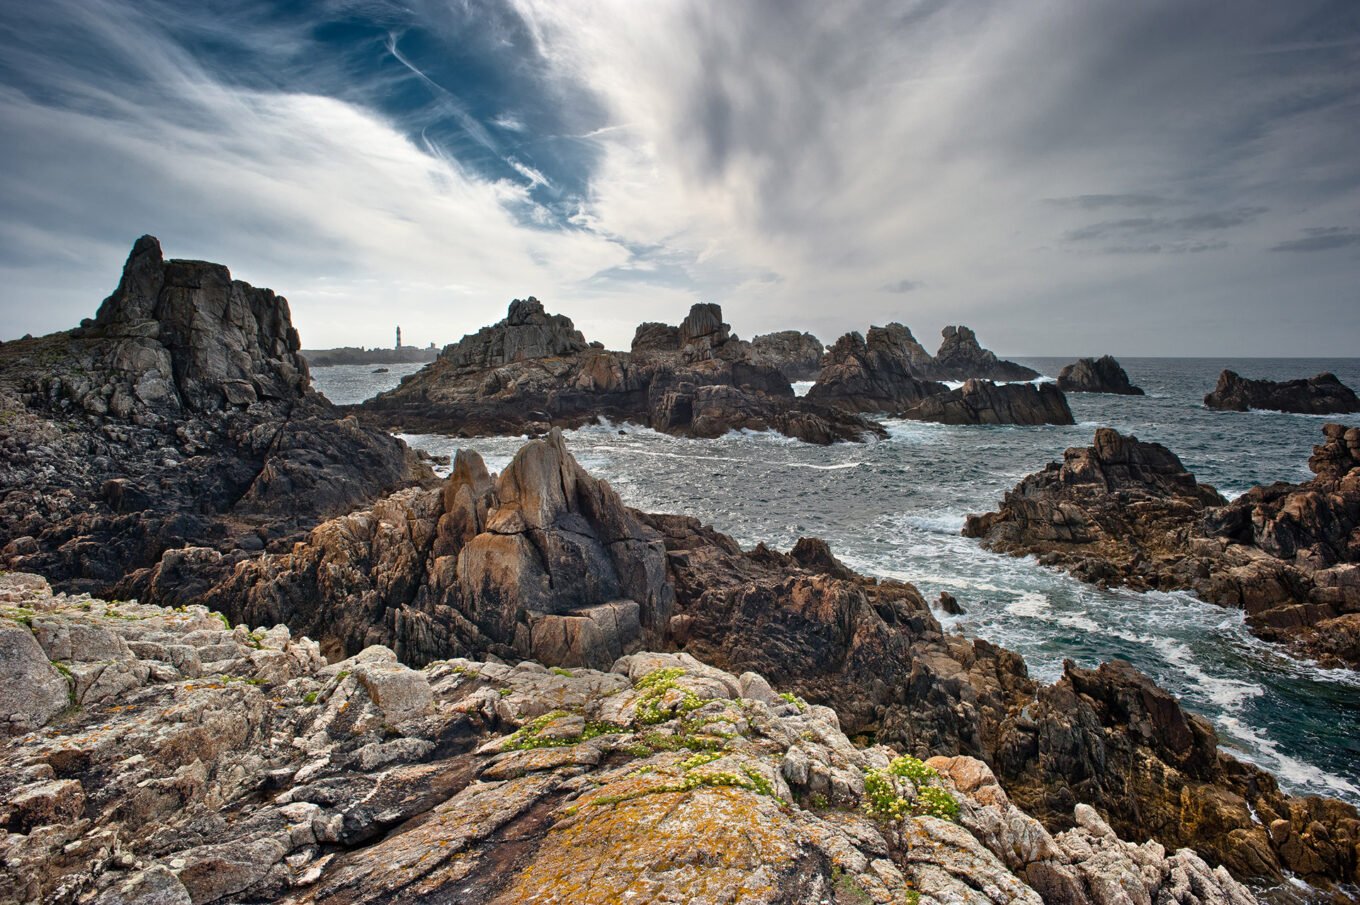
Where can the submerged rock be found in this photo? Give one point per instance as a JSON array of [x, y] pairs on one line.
[[1320, 395], [984, 402], [660, 780], [1124, 512], [182, 414], [1096, 375]]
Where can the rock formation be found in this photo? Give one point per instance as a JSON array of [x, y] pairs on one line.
[[984, 402], [476, 569], [234, 765], [180, 415], [1320, 395], [880, 374], [798, 356], [533, 370], [1096, 375], [1124, 512], [960, 357]]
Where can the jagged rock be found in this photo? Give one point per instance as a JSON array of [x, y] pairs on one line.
[[798, 356], [880, 374], [656, 782], [984, 402], [960, 357], [180, 415], [528, 332], [1320, 395], [695, 380], [1127, 512], [1096, 375]]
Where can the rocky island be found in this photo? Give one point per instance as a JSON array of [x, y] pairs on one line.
[[1124, 512], [1096, 375], [1323, 394], [535, 370]]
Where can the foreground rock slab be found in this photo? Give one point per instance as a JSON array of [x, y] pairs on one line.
[[264, 774], [984, 402]]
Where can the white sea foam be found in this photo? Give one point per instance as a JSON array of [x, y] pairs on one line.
[[1031, 604], [801, 387]]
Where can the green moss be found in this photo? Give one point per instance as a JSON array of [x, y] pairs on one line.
[[70, 681], [559, 671], [309, 698], [529, 736], [652, 707], [226, 623], [793, 699], [848, 888], [700, 759]]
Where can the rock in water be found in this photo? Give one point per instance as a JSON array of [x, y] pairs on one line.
[[984, 402], [960, 357], [182, 414], [1320, 395], [533, 371], [1096, 375], [798, 356], [880, 374], [1124, 512], [239, 767]]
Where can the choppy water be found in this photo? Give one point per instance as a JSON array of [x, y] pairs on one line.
[[894, 508]]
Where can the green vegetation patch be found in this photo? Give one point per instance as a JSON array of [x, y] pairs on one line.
[[883, 796], [529, 736]]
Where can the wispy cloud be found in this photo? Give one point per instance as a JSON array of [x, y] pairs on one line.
[[1321, 238], [902, 286]]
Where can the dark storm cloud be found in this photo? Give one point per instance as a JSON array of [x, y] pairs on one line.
[[1321, 238]]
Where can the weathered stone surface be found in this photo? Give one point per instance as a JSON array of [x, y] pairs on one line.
[[181, 415], [31, 689], [984, 402], [657, 782], [798, 356], [1096, 375], [1323, 394], [1126, 512], [694, 380]]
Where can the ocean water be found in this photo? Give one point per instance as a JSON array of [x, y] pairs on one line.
[[894, 508]]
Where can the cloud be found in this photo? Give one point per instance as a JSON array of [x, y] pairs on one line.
[[372, 158], [1321, 238]]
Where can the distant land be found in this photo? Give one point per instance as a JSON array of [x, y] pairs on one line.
[[358, 355]]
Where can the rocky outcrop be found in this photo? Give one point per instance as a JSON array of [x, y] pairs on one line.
[[1320, 395], [961, 357], [1127, 513], [984, 402], [1096, 375], [544, 561], [798, 356], [533, 371], [878, 374], [237, 766], [181, 414]]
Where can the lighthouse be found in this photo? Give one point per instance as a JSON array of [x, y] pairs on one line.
[[398, 337]]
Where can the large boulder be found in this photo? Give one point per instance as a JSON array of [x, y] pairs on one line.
[[798, 356], [1323, 394], [984, 402], [1096, 375], [527, 332], [878, 374]]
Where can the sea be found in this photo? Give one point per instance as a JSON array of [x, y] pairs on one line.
[[894, 508]]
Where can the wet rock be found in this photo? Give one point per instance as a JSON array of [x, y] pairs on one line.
[[1323, 394], [984, 402], [1096, 375]]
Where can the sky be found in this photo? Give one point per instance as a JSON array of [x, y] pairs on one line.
[[1166, 177]]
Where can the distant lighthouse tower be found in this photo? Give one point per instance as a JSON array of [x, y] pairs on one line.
[[398, 337]]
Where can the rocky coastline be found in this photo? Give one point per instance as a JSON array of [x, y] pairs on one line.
[[357, 355], [1124, 512], [289, 664], [1322, 394]]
